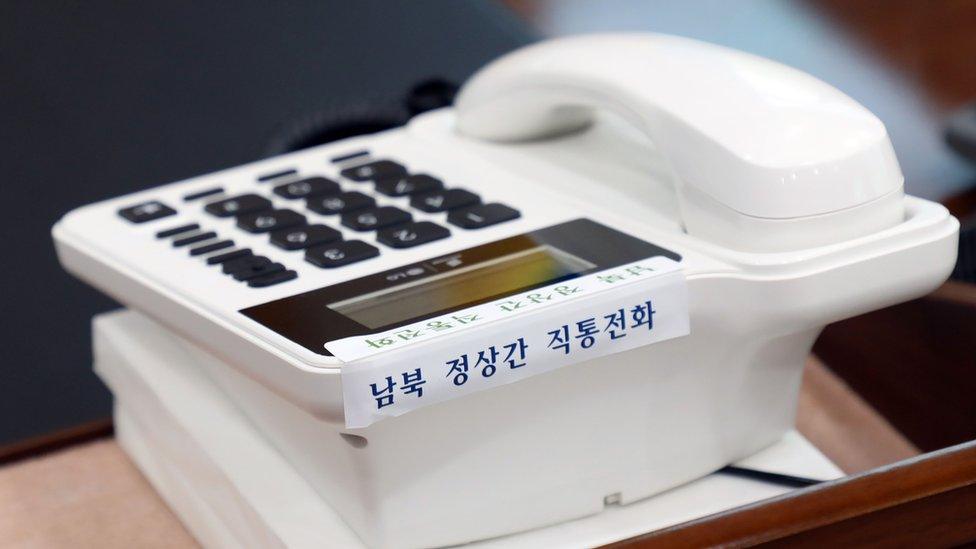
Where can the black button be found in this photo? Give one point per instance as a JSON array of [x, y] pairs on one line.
[[340, 253], [193, 239], [251, 266], [375, 218], [271, 279], [340, 203], [412, 234], [271, 220], [245, 263], [304, 237], [441, 201], [146, 211], [482, 215], [257, 270], [221, 258], [238, 205], [410, 184], [207, 248], [313, 186], [177, 230], [378, 169]]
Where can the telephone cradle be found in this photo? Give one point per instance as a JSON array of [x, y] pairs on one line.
[[780, 198]]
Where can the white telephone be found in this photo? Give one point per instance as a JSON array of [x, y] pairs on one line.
[[779, 196]]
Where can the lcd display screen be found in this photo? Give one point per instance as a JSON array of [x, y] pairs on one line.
[[463, 286]]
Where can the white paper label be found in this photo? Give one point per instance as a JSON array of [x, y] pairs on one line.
[[391, 373]]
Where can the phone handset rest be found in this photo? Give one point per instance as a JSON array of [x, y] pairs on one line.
[[765, 158]]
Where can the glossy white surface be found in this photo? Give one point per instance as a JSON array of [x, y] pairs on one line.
[[184, 434]]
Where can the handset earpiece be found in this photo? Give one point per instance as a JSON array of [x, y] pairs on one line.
[[766, 158]]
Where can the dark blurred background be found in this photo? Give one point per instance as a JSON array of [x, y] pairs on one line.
[[101, 99]]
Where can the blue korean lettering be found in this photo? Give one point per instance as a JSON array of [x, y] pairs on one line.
[[643, 315], [586, 331], [616, 324], [413, 382], [383, 397], [515, 353], [459, 369], [486, 361], [560, 339]]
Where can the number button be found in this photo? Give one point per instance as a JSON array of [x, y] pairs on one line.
[[304, 237], [442, 201], [264, 222], [375, 218], [340, 203], [341, 253], [411, 184], [412, 234], [147, 211], [313, 186], [238, 205], [483, 215], [378, 169]]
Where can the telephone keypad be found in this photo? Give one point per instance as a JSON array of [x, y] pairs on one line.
[[323, 245]]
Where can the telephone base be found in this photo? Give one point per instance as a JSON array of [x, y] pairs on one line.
[[231, 487]]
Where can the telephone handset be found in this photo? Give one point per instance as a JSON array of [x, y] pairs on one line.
[[765, 158]]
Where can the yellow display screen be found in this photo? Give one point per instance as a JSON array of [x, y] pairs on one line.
[[463, 286]]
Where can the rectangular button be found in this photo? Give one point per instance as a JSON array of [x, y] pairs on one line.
[[410, 184], [238, 205], [221, 258], [271, 279], [340, 203], [375, 218], [482, 215], [146, 211], [412, 234], [177, 230], [372, 171], [193, 239], [312, 186], [207, 248], [271, 220]]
